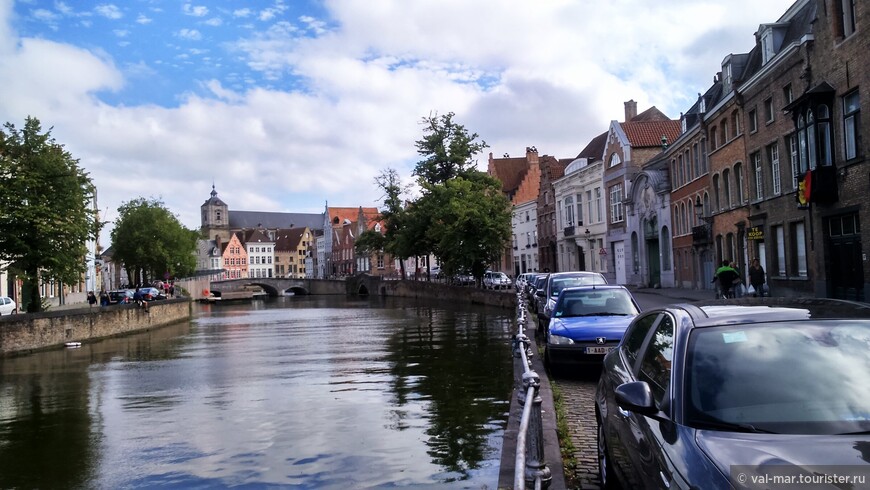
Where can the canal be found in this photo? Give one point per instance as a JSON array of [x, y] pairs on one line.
[[301, 392]]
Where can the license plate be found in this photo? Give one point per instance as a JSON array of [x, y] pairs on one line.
[[599, 350]]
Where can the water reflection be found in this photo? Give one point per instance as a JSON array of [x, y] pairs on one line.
[[304, 392]]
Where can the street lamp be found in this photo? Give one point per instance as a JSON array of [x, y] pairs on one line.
[[699, 212]]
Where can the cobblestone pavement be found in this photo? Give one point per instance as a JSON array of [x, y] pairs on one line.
[[578, 396]]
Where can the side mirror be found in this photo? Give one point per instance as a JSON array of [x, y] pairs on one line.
[[636, 397], [539, 293]]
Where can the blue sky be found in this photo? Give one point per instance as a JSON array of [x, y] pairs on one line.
[[285, 105]]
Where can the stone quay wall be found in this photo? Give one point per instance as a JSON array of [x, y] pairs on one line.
[[24, 333], [433, 290]]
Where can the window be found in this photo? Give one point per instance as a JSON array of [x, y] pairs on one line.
[[753, 121], [845, 14], [726, 187], [589, 205], [717, 204], [759, 182], [655, 366], [800, 249], [768, 110], [824, 128], [616, 204], [851, 123], [598, 205], [779, 238], [724, 131], [773, 156], [579, 209], [681, 169], [614, 160], [741, 185], [791, 143], [568, 211], [635, 336], [735, 117], [697, 160], [674, 182], [787, 94], [703, 156], [814, 136], [714, 140], [688, 161]]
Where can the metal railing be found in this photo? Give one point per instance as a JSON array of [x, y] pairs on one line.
[[529, 466]]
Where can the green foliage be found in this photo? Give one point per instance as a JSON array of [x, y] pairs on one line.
[[469, 222], [369, 242], [150, 241], [48, 211], [447, 148]]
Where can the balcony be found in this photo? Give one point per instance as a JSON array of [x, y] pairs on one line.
[[701, 235], [569, 231]]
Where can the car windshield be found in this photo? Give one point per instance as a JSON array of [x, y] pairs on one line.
[[560, 283], [595, 302], [796, 378]]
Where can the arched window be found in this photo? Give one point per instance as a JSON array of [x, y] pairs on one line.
[[717, 202], [726, 187], [738, 175], [676, 218], [615, 160]]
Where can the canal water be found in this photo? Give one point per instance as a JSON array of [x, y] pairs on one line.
[[296, 392]]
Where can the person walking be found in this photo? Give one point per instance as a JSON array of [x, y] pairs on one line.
[[104, 298], [92, 299], [756, 278], [727, 277]]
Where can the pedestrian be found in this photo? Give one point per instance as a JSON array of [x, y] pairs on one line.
[[728, 278], [756, 278], [104, 298], [92, 299], [739, 286]]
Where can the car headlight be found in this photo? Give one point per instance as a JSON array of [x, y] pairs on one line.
[[559, 340]]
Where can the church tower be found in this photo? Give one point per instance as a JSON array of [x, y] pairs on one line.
[[215, 218]]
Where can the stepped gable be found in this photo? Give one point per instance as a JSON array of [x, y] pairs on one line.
[[255, 235], [240, 220], [337, 216]]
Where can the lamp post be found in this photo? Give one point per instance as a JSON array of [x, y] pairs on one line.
[[590, 243]]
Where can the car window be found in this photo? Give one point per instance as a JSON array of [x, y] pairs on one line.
[[655, 366], [635, 336]]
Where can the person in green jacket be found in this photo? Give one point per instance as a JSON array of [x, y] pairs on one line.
[[727, 277]]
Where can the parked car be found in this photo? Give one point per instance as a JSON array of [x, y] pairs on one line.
[[521, 281], [7, 306], [759, 385], [496, 280], [588, 322], [558, 281], [121, 296], [538, 299], [463, 279], [151, 294]]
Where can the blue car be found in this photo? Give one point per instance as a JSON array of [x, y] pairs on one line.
[[587, 322]]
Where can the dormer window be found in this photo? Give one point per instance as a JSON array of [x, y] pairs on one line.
[[218, 216]]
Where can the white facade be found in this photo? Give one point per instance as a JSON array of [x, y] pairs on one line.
[[581, 217], [524, 228], [261, 258]]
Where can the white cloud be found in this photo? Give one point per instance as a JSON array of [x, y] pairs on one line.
[[63, 8], [121, 32], [545, 74], [109, 11], [143, 19], [196, 11], [190, 34], [214, 22]]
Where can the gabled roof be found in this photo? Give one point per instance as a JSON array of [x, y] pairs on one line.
[[254, 236], [273, 220], [350, 214], [651, 114], [595, 149], [642, 134], [510, 172], [289, 239]]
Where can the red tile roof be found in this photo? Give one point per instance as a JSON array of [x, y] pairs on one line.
[[649, 133]]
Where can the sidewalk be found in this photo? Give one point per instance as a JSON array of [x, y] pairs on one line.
[[681, 294]]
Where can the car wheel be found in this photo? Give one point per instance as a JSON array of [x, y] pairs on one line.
[[605, 468]]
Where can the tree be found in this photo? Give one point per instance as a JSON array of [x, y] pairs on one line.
[[150, 241], [448, 149], [393, 216], [470, 222], [462, 217], [48, 210]]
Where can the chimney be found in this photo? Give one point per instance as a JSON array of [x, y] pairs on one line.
[[217, 240], [630, 110], [532, 155]]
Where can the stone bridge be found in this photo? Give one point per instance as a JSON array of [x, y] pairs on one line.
[[364, 284], [274, 286]]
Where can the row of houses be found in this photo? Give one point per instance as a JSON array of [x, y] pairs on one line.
[[768, 163]]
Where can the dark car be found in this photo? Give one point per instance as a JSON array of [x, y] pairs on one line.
[[151, 294], [698, 394], [122, 296], [588, 322], [558, 281]]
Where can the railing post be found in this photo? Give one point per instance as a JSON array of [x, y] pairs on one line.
[[536, 467]]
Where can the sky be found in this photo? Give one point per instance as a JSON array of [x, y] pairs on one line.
[[287, 105]]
